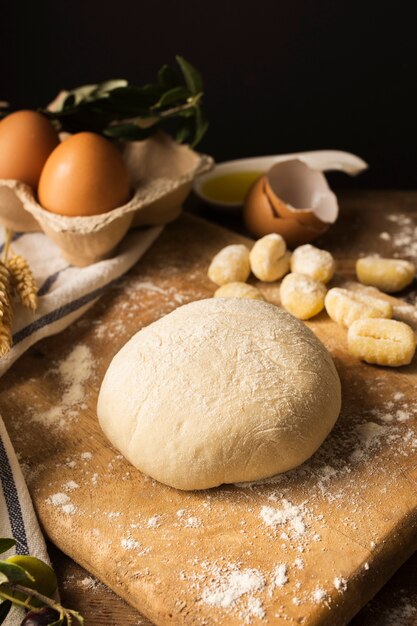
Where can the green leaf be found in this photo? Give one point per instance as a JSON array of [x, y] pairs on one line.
[[6, 544], [128, 132], [78, 95], [176, 94], [201, 126], [4, 610], [167, 78], [192, 77], [183, 133], [11, 573], [109, 85]]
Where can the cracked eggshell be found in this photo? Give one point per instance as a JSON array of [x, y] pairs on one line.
[[293, 200], [162, 172]]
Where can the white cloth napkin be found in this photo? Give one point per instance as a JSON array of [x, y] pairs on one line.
[[65, 293]]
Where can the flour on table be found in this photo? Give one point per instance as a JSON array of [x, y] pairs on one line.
[[287, 513], [74, 372], [70, 485], [63, 502], [340, 583], [227, 588], [154, 521], [319, 595], [279, 577]]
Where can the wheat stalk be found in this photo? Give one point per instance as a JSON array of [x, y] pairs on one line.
[[6, 311], [22, 281]]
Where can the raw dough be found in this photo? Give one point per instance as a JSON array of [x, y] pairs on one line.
[[220, 391]]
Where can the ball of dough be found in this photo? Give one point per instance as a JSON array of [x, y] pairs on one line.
[[220, 391], [230, 265], [266, 257]]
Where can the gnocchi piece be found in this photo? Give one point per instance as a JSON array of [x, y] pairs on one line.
[[268, 260], [302, 296], [345, 307], [382, 341], [319, 264], [230, 265], [388, 275], [238, 290]]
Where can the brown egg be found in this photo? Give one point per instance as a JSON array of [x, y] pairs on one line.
[[84, 175], [27, 138]]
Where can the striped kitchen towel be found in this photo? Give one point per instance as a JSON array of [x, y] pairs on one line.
[[65, 293]]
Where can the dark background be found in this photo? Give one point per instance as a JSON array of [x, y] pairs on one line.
[[279, 76]]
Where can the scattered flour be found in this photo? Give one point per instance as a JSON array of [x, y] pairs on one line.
[[154, 521], [340, 584], [130, 544], [70, 485], [288, 513], [319, 595], [74, 371], [254, 608], [193, 522], [280, 577], [226, 589], [63, 502]]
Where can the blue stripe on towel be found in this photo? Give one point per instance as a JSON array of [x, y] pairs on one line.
[[61, 312], [12, 502], [49, 282]]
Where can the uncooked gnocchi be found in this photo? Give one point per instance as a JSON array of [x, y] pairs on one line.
[[238, 290], [268, 258], [230, 265], [388, 275], [319, 264], [345, 307], [382, 341], [302, 296]]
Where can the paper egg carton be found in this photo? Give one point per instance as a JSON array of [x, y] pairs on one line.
[[162, 173]]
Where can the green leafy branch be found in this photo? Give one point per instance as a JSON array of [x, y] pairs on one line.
[[18, 586], [120, 110]]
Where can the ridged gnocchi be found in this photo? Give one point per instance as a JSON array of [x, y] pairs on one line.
[[302, 296], [345, 307], [382, 341], [388, 275]]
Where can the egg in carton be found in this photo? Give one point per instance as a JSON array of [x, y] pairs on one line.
[[162, 173]]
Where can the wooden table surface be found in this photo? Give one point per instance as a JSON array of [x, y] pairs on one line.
[[396, 603]]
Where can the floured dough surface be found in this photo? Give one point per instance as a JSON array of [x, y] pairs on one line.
[[220, 391]]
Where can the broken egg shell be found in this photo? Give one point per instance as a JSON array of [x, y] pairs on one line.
[[293, 200], [303, 191], [261, 219]]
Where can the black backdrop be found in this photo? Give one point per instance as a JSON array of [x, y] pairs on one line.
[[279, 76]]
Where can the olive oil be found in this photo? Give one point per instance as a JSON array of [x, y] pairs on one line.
[[230, 188]]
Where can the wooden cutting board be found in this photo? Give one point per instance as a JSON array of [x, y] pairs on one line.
[[310, 547]]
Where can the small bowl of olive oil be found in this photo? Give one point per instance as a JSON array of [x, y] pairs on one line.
[[226, 186]]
